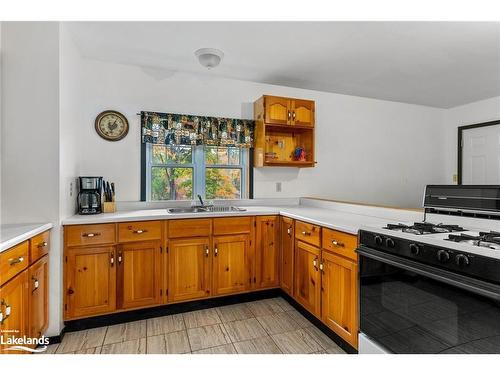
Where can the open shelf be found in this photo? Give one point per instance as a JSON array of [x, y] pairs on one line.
[[289, 163]]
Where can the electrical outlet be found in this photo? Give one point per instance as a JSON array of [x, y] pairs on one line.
[[278, 187], [71, 189]]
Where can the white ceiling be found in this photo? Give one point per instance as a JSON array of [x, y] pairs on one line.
[[439, 64]]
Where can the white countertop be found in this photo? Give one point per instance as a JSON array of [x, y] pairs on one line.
[[13, 234]]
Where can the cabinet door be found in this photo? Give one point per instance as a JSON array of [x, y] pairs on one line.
[[302, 112], [38, 278], [267, 251], [14, 307], [339, 296], [91, 281], [287, 244], [231, 271], [139, 274], [189, 263], [277, 110], [307, 287]]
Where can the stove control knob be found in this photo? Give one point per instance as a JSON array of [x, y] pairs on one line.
[[379, 240], [390, 242], [462, 260], [414, 249], [443, 256]]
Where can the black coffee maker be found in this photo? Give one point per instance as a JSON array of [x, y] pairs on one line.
[[89, 196]]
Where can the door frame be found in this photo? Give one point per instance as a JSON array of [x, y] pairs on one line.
[[460, 146]]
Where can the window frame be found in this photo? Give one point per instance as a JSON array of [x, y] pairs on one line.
[[199, 166]]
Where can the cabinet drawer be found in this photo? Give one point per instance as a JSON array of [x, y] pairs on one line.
[[232, 225], [189, 228], [309, 233], [92, 234], [13, 261], [340, 243], [139, 231], [39, 246]]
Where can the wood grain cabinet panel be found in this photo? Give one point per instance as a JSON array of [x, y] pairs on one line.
[[185, 228], [267, 249], [13, 261], [277, 110], [39, 246], [302, 112], [189, 264], [139, 274], [307, 232], [340, 243], [339, 296], [230, 264], [38, 279], [307, 286], [90, 234], [90, 281], [139, 231], [287, 251], [232, 225], [14, 307]]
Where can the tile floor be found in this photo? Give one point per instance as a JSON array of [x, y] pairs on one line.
[[269, 326]]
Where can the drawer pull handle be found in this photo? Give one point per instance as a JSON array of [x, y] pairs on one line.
[[315, 263], [304, 233], [289, 231], [337, 243], [139, 231], [321, 267], [42, 244], [289, 115], [119, 258], [36, 283], [14, 261], [112, 259], [91, 234]]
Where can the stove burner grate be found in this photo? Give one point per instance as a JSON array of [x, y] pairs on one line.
[[425, 228], [490, 240]]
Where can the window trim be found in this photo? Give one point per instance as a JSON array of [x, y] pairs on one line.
[[198, 173]]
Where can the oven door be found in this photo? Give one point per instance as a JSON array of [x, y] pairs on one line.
[[408, 307]]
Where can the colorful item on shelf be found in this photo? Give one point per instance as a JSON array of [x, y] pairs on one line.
[[177, 129], [299, 154]]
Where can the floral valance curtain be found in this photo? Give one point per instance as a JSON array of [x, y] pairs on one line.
[[177, 129]]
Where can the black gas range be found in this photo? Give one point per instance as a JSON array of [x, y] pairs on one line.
[[432, 287]]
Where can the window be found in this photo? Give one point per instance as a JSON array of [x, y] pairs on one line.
[[183, 172]]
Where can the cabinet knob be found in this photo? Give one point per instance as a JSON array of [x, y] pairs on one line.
[[42, 244], [337, 243], [14, 261], [207, 251], [91, 234], [139, 231], [216, 251], [304, 233], [289, 231]]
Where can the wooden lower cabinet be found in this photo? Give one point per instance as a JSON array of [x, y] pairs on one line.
[[189, 263], [14, 299], [267, 251], [287, 251], [90, 281], [307, 286], [339, 296], [231, 264], [139, 274], [38, 281]]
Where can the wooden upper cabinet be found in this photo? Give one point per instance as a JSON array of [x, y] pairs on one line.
[[307, 286], [189, 262], [90, 281], [277, 110], [302, 112], [38, 279], [267, 248], [231, 271], [14, 307], [287, 246], [339, 296], [139, 274]]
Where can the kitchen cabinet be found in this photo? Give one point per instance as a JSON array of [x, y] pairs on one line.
[[339, 296], [287, 252], [90, 281], [302, 112], [189, 265], [14, 301], [38, 279], [307, 286], [267, 252], [231, 264], [139, 274], [277, 110]]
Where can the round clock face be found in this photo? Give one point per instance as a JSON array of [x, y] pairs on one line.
[[111, 125]]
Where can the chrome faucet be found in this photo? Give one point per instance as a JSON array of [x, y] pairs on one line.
[[201, 200]]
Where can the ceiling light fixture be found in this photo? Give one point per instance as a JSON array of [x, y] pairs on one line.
[[209, 57]]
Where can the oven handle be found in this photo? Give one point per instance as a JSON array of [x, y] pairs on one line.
[[464, 282]]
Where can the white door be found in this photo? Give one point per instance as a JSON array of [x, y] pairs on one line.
[[481, 156]]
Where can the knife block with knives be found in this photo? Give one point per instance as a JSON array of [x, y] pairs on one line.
[[108, 204]]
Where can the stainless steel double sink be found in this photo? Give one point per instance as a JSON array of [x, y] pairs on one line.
[[204, 209]]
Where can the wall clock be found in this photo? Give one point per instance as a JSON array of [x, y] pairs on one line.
[[111, 125]]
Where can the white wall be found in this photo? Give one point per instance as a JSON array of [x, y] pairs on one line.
[[473, 113], [30, 137], [367, 150]]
